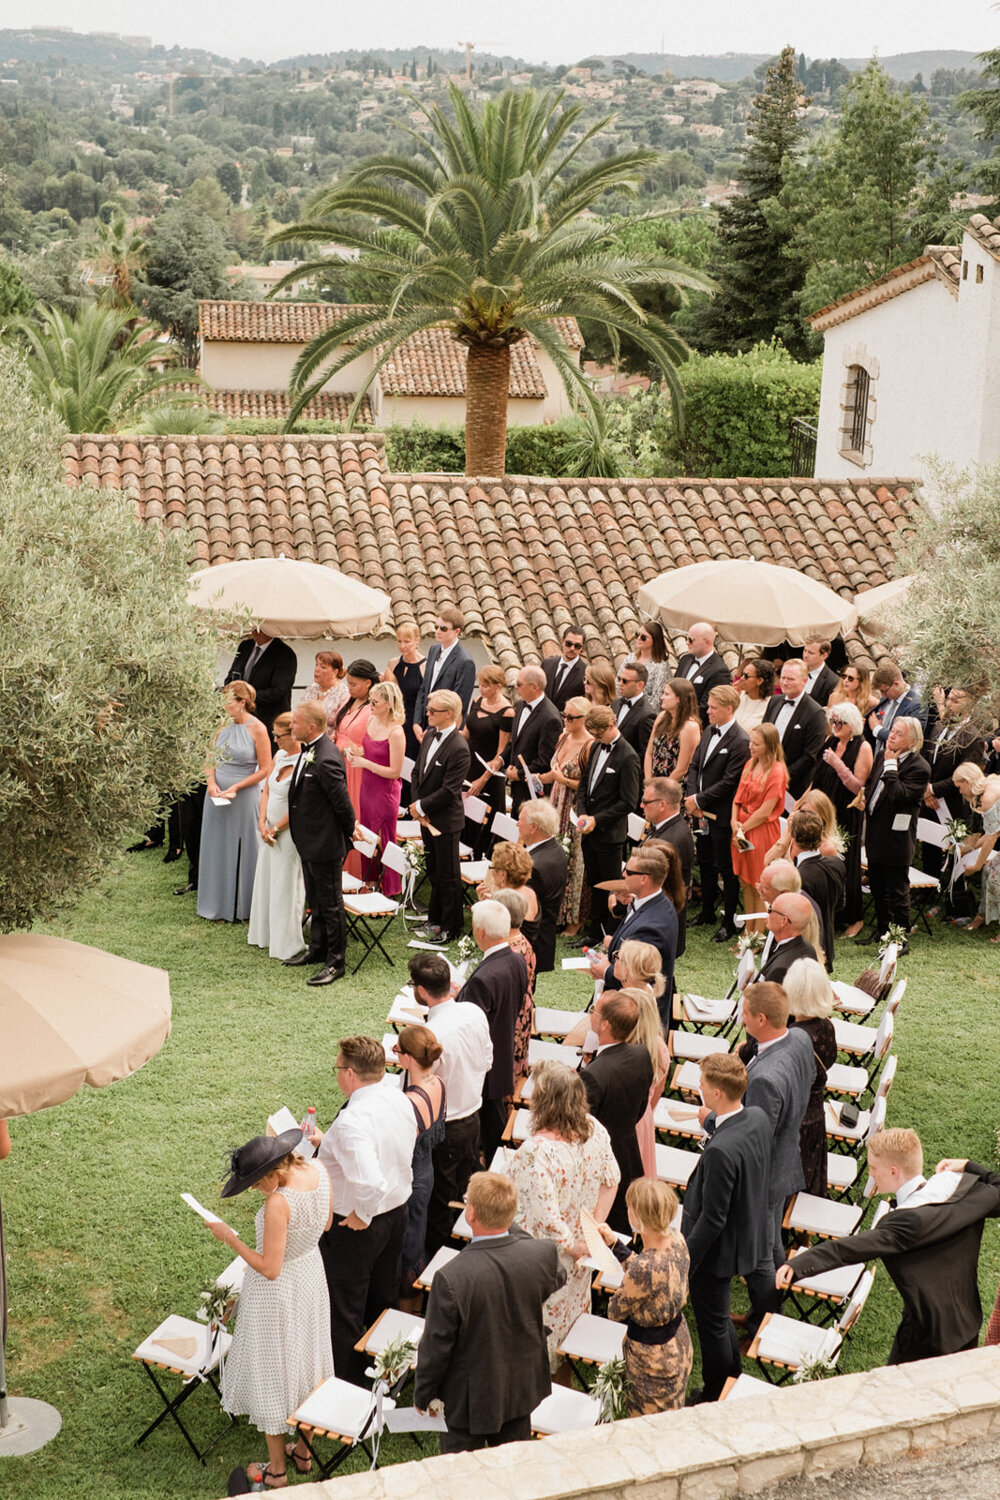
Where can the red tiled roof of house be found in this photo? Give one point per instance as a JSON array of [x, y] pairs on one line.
[[329, 406], [268, 322], [521, 557], [432, 363], [987, 232]]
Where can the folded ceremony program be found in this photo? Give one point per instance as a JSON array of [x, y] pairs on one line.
[[599, 1252], [204, 1213]]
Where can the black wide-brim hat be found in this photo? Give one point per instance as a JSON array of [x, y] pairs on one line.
[[258, 1157]]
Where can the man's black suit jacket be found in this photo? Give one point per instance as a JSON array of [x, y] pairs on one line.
[[498, 987], [824, 686], [824, 878], [713, 672], [483, 1351], [725, 1222], [438, 787], [615, 793], [458, 675], [533, 737], [714, 781], [901, 797], [931, 1254], [782, 956], [549, 870], [805, 735], [655, 922], [320, 813], [272, 678], [676, 831], [618, 1083], [965, 743], [572, 682], [637, 725]]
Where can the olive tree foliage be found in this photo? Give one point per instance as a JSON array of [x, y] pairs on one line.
[[105, 672], [948, 618]]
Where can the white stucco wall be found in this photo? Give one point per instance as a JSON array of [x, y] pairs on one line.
[[556, 403], [935, 376], [449, 411], [267, 367]]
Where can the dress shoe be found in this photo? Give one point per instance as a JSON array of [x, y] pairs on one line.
[[704, 919], [305, 957], [327, 975], [142, 846], [739, 1320], [172, 855], [449, 937], [428, 933], [724, 934], [184, 890]]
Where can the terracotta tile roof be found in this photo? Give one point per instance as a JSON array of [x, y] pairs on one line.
[[986, 232], [522, 557], [432, 363], [331, 406], [268, 322], [892, 284]]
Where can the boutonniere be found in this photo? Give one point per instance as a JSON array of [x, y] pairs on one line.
[[308, 756]]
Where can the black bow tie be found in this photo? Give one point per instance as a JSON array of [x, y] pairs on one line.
[[715, 731], [434, 736]]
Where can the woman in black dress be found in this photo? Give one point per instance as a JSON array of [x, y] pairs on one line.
[[841, 772], [810, 997], [487, 729], [407, 671]]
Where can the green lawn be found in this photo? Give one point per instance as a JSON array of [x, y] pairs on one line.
[[100, 1248]]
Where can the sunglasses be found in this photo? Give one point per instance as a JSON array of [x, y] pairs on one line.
[[572, 716], [629, 871], [836, 723], [644, 637]]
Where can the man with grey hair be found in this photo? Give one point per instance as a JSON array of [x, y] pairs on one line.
[[786, 921], [538, 826], [894, 795], [778, 878], [498, 986], [436, 789], [534, 733]]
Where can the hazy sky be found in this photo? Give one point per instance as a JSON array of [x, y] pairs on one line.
[[540, 30]]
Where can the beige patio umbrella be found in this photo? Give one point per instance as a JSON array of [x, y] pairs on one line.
[[875, 606], [748, 602], [69, 1015], [286, 597]]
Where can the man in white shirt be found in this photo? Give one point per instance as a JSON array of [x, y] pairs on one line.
[[368, 1154], [464, 1033]]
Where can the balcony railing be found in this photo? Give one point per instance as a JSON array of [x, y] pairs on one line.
[[803, 436]]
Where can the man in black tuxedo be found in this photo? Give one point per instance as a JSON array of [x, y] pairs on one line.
[[823, 876], [564, 675], [786, 921], [702, 665], [269, 665], [955, 739], [607, 793], [483, 1352], [894, 796], [725, 1222], [498, 987], [781, 1069], [898, 700], [712, 779], [929, 1243], [538, 826], [820, 682], [632, 709], [618, 1081], [536, 727], [661, 804], [801, 725], [322, 824], [650, 918], [436, 788], [449, 668]]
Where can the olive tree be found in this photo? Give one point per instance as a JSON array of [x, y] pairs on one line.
[[106, 672]]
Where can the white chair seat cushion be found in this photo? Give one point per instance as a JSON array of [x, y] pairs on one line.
[[837, 1284], [921, 882], [565, 1411], [181, 1331], [370, 904], [841, 1079], [553, 1052], [791, 1342], [748, 1385], [522, 1125], [687, 1078], [552, 1022], [596, 1339], [845, 1132], [841, 1171], [675, 1166], [338, 1406], [438, 1260], [392, 1325], [677, 1118], [813, 1215], [693, 1046], [850, 998], [703, 1012], [853, 1038]]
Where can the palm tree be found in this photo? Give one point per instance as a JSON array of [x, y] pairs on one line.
[[100, 370], [482, 231], [118, 251]]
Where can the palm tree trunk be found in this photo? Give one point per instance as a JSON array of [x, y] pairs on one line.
[[487, 381]]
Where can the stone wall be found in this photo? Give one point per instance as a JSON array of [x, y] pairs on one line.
[[710, 1452]]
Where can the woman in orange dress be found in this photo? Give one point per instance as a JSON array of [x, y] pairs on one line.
[[757, 809], [349, 729]]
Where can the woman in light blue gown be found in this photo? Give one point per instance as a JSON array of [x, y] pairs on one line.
[[228, 856]]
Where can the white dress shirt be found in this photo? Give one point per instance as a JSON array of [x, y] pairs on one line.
[[464, 1033], [719, 733], [442, 658], [368, 1151], [784, 715], [697, 665]]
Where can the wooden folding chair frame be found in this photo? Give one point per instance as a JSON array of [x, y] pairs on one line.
[[360, 926], [171, 1406]]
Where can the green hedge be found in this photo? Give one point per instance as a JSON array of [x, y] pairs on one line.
[[738, 412]]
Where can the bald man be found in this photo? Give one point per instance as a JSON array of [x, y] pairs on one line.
[[702, 665], [536, 728], [787, 919]]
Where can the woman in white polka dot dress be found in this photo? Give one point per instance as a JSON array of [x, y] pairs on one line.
[[281, 1349]]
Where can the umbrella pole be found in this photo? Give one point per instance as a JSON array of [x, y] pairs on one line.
[[25, 1425]]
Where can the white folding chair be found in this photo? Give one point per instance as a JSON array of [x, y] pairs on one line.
[[555, 1024], [738, 1387], [856, 1135], [390, 1325], [539, 1051], [842, 1170], [674, 1117], [348, 1415], [822, 1219], [592, 1341], [686, 1080], [369, 917], [855, 1081], [192, 1350], [674, 1166], [923, 888], [857, 1040], [437, 1262], [406, 1011], [692, 1046], [565, 1410], [785, 1344], [829, 1291], [701, 1014]]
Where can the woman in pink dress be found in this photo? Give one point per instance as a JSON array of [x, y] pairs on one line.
[[757, 809], [380, 761], [349, 729]]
